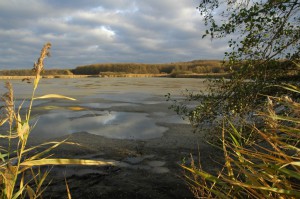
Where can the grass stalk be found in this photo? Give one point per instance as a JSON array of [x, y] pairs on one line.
[[15, 163], [267, 168]]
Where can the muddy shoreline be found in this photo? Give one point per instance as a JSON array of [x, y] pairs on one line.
[[84, 76], [125, 75], [141, 167]]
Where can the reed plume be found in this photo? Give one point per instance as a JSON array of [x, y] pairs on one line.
[[38, 66], [8, 99], [20, 176]]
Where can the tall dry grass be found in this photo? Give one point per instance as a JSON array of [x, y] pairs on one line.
[[267, 168], [19, 176]]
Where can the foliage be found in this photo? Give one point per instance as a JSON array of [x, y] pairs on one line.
[[26, 72], [267, 168], [266, 29], [19, 176], [175, 73], [197, 66], [264, 53]]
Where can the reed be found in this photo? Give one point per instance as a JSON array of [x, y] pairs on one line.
[[266, 168], [19, 176]]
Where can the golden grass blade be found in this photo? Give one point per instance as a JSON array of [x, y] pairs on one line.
[[39, 155], [48, 143], [9, 175], [65, 162], [22, 186], [68, 190], [271, 189], [51, 96], [285, 118], [226, 156], [291, 88], [254, 177], [30, 192], [289, 172], [292, 163], [205, 175], [19, 193], [236, 134], [36, 82], [39, 190], [8, 136], [3, 121], [216, 192]]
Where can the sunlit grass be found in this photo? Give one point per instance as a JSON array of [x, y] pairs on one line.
[[20, 175], [267, 168]]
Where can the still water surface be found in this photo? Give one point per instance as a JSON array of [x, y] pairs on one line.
[[119, 108]]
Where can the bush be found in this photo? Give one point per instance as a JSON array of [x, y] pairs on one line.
[[176, 73], [266, 168]]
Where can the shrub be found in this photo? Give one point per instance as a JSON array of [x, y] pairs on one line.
[[176, 73], [266, 168]]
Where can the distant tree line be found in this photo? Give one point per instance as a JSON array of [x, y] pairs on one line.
[[27, 72], [198, 66], [173, 69]]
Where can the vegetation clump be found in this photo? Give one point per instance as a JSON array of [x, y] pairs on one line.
[[265, 54], [20, 173], [27, 72], [266, 168], [197, 66], [257, 108]]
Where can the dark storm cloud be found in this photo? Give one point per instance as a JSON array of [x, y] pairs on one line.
[[92, 31]]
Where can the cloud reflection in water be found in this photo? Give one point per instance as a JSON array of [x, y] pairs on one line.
[[118, 125]]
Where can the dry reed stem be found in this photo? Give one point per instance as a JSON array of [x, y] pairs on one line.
[[8, 99], [39, 65]]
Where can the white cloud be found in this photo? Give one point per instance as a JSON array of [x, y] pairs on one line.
[[92, 31]]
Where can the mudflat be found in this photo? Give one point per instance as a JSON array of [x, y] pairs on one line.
[[125, 123]]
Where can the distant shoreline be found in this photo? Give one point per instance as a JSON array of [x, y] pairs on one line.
[[83, 76], [196, 75]]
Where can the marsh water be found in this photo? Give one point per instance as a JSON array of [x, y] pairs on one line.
[[119, 108], [125, 122]]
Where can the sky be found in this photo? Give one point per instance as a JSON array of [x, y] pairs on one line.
[[103, 31]]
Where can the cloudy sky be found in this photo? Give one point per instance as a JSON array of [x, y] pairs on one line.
[[99, 31]]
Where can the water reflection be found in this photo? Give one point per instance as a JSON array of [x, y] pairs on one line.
[[106, 105], [120, 94], [118, 125], [129, 97]]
